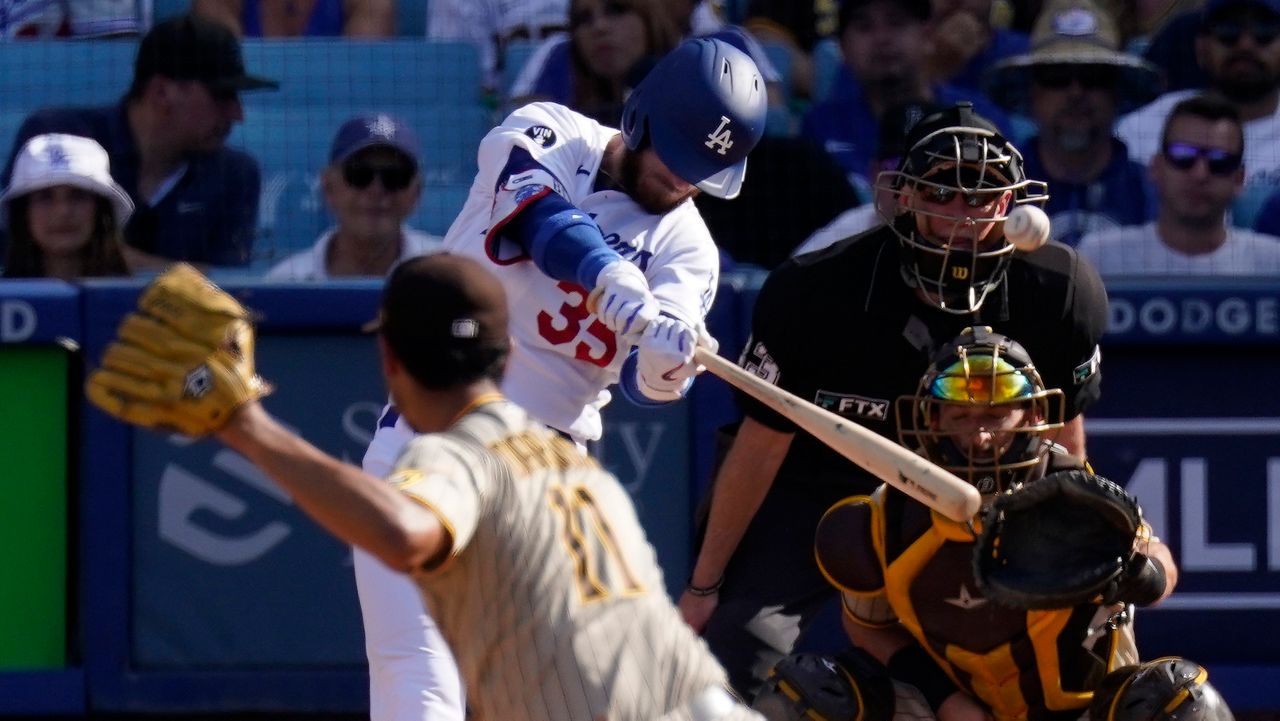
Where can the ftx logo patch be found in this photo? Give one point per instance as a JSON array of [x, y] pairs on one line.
[[851, 406], [542, 135]]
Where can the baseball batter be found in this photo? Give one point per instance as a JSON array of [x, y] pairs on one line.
[[528, 553], [562, 206]]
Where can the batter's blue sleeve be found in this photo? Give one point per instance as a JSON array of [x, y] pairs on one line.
[[563, 241]]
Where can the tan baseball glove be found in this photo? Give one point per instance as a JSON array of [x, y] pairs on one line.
[[183, 361]]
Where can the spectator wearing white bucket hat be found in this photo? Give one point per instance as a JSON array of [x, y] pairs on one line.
[[1072, 83], [63, 211]]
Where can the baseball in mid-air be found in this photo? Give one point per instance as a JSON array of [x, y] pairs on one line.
[[1026, 228]]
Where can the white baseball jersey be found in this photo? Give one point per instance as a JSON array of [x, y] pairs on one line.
[[550, 596], [563, 358]]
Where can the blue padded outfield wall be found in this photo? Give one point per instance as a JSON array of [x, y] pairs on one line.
[[195, 584]]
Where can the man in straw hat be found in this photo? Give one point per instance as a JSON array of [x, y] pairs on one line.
[[1072, 84]]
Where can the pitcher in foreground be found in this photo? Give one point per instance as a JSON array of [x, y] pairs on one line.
[[528, 554]]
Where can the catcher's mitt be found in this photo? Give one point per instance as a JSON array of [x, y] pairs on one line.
[[1060, 541], [183, 361]]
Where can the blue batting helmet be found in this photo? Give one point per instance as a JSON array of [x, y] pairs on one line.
[[702, 108]]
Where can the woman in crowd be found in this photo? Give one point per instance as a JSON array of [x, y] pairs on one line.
[[63, 211]]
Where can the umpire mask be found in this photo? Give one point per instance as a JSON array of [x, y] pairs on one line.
[[955, 251]]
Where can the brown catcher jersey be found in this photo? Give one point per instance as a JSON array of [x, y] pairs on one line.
[[895, 561], [551, 597]]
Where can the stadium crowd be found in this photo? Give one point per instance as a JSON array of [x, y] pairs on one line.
[[1077, 85]]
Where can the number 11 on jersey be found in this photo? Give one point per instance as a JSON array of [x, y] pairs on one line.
[[599, 565]]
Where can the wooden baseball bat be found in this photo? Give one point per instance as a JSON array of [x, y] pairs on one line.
[[913, 474], [910, 472]]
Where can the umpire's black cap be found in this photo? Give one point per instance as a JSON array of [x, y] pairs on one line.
[[958, 115], [445, 318], [958, 137]]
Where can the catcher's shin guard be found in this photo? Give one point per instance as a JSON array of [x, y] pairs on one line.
[[850, 687], [1166, 689]]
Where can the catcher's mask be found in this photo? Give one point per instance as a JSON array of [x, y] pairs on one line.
[[981, 369], [1166, 689], [956, 151]]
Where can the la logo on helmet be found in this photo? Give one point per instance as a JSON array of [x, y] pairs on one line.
[[720, 139]]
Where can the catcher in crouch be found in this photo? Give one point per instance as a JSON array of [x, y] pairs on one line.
[[1020, 613]]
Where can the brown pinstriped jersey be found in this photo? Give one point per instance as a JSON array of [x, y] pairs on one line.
[[551, 598]]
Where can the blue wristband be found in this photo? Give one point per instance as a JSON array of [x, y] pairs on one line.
[[629, 383]]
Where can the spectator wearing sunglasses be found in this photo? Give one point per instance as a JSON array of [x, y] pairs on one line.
[[371, 186], [1198, 172], [1237, 48], [1072, 84], [196, 199]]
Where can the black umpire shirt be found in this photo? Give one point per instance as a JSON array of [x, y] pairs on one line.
[[841, 328]]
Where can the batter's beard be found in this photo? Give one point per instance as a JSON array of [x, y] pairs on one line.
[[657, 204]]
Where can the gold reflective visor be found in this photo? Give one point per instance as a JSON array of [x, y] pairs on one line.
[[976, 379]]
